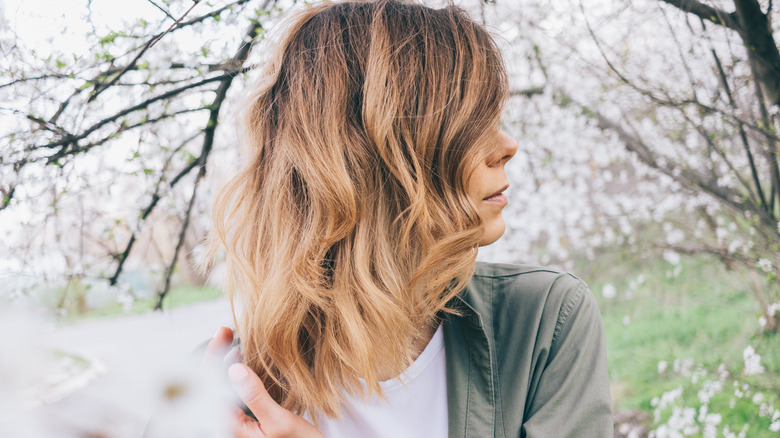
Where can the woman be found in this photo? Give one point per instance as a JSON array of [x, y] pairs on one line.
[[374, 170]]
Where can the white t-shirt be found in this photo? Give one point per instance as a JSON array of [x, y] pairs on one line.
[[415, 409]]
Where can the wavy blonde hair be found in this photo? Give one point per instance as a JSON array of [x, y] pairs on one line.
[[349, 228]]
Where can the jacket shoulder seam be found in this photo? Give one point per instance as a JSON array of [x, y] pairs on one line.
[[518, 273], [566, 311]]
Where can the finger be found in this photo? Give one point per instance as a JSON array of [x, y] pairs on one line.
[[221, 341], [252, 392], [245, 426], [218, 346], [233, 356]]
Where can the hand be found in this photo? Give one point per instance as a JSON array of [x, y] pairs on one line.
[[273, 420]]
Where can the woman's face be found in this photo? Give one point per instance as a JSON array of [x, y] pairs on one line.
[[487, 184]]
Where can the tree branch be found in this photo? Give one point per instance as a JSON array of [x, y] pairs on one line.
[[694, 180], [8, 194], [180, 242], [208, 142], [769, 134], [706, 12], [761, 48], [771, 150], [742, 134], [528, 92], [635, 144], [164, 11], [100, 88], [122, 128], [725, 256], [34, 78], [68, 140], [152, 204]]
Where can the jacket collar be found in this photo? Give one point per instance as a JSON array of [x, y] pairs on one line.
[[471, 392]]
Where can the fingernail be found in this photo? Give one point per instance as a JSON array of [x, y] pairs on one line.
[[237, 373], [233, 356], [217, 332]]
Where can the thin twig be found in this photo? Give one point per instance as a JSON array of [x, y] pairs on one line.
[[122, 128], [121, 258], [180, 243], [208, 142], [99, 89], [141, 105], [164, 11]]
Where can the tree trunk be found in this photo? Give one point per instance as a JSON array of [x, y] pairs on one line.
[[761, 48]]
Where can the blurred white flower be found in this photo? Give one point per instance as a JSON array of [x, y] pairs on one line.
[[609, 291], [662, 365], [672, 257], [681, 423], [22, 364], [703, 413], [711, 421], [698, 374], [775, 426], [126, 298], [735, 245], [752, 361], [765, 265], [666, 398], [191, 403], [709, 389], [626, 320], [723, 373], [683, 367]]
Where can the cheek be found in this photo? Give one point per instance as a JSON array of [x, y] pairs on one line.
[[476, 185]]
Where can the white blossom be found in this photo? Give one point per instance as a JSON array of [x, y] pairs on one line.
[[765, 265], [672, 257], [773, 309], [683, 367], [752, 361], [709, 389], [608, 291]]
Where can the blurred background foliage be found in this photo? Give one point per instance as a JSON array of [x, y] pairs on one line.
[[647, 165]]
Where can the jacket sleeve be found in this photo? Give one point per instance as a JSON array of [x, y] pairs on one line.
[[572, 398]]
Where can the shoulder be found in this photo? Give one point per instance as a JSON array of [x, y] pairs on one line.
[[527, 298], [549, 353]]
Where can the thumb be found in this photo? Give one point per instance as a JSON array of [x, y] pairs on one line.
[[252, 391]]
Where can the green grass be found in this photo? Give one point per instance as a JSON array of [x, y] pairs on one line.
[[178, 296], [705, 313]]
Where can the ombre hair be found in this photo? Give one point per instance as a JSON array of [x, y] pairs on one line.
[[349, 228]]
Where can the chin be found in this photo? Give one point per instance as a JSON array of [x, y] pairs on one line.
[[493, 231]]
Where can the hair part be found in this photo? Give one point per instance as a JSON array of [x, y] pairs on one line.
[[349, 228]]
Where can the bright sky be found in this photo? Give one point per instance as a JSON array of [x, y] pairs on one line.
[[62, 24]]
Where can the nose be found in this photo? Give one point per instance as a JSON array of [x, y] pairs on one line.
[[508, 147]]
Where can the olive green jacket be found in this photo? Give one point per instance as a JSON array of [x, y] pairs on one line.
[[527, 357]]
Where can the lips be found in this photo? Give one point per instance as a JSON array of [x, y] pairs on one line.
[[497, 193]]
